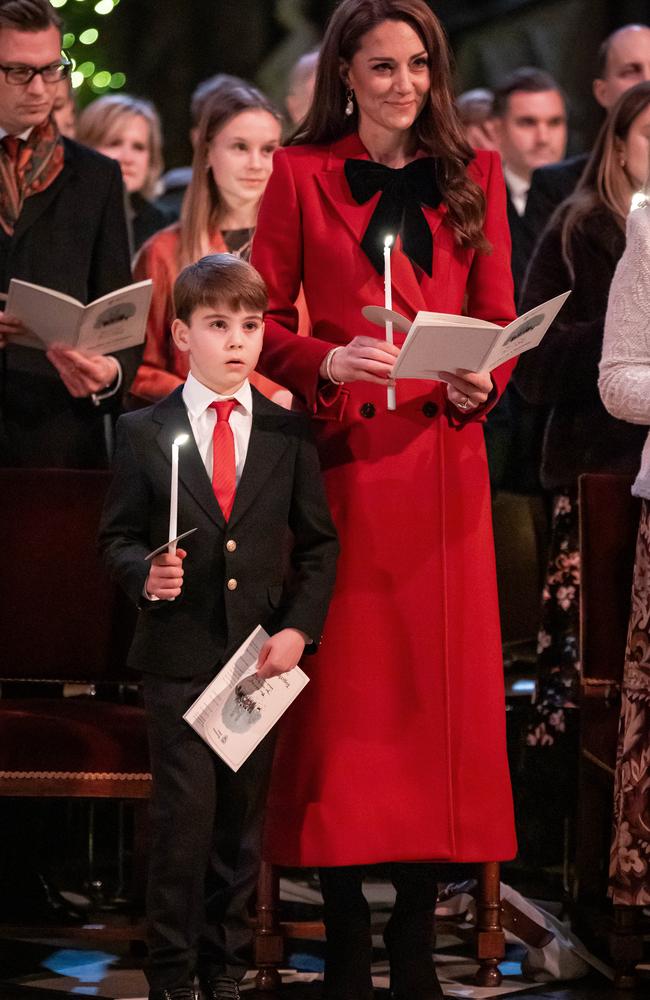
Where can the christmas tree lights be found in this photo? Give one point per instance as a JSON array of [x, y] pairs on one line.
[[83, 40]]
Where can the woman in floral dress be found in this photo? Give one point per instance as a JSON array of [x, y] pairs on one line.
[[579, 250]]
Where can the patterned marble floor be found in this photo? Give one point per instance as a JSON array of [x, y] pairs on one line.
[[49, 969]]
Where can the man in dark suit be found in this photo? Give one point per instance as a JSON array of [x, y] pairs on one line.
[[264, 553], [530, 129], [623, 61], [62, 225]]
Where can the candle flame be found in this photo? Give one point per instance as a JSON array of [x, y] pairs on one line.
[[181, 439], [388, 242]]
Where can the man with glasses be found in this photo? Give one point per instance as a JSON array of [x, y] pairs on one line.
[[62, 225]]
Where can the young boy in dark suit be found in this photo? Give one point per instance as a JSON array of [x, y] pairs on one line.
[[264, 553]]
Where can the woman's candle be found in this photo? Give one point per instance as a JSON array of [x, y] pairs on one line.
[[173, 497], [388, 303]]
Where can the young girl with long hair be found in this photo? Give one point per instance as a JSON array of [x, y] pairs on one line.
[[238, 133]]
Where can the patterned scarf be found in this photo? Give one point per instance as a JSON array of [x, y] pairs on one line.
[[39, 162]]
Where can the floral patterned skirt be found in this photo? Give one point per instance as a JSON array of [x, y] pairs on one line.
[[629, 869], [545, 779], [558, 655]]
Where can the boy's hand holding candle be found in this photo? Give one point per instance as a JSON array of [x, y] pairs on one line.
[[165, 579]]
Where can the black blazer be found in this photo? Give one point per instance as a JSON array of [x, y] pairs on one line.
[[523, 242], [284, 556], [549, 187], [562, 373], [71, 237]]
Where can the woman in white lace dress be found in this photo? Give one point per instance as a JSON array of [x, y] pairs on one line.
[[625, 390]]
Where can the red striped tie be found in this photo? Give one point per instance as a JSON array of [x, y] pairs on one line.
[[224, 482]]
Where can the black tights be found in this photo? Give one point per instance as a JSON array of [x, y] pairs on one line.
[[408, 935]]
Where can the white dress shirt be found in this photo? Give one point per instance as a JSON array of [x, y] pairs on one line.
[[518, 189], [197, 398], [23, 135]]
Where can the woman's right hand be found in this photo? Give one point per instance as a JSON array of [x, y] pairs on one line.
[[9, 325], [364, 359]]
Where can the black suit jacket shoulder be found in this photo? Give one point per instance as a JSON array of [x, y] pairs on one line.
[[549, 187], [71, 237], [281, 566]]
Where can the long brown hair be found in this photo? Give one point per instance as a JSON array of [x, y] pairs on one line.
[[202, 204], [436, 130], [605, 183]]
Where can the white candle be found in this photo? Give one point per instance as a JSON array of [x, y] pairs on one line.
[[388, 303], [173, 499]]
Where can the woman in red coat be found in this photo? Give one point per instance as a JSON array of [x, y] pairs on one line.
[[396, 750]]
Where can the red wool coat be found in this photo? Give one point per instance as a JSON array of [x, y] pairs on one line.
[[396, 749]]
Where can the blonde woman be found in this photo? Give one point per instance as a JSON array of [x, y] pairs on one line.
[[625, 391], [238, 133], [128, 130]]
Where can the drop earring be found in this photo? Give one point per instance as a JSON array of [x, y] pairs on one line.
[[349, 106]]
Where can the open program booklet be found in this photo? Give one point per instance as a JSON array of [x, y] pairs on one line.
[[238, 708], [441, 342], [107, 325]]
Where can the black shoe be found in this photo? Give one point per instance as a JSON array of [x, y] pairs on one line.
[[220, 988], [409, 939], [179, 993]]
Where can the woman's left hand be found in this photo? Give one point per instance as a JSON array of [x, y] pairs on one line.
[[467, 390], [83, 374]]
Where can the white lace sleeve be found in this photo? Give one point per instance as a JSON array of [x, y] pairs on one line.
[[624, 381]]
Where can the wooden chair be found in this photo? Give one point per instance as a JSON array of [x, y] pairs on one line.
[[609, 519], [63, 622], [270, 932]]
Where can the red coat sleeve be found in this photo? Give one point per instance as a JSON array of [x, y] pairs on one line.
[[277, 255], [162, 369]]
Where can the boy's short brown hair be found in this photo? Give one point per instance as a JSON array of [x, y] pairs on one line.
[[219, 279]]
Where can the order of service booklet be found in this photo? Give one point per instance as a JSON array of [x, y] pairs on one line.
[[238, 708], [107, 325], [441, 342]]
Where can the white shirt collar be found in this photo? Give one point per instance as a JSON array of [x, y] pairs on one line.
[[197, 397], [518, 189], [23, 135]]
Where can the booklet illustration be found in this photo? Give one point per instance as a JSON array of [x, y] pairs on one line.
[[107, 325], [238, 708], [442, 342]]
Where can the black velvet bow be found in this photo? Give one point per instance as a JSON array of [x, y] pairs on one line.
[[398, 210]]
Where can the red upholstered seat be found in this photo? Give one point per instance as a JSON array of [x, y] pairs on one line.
[[63, 620], [60, 737]]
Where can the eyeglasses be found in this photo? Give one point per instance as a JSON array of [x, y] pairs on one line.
[[19, 76]]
